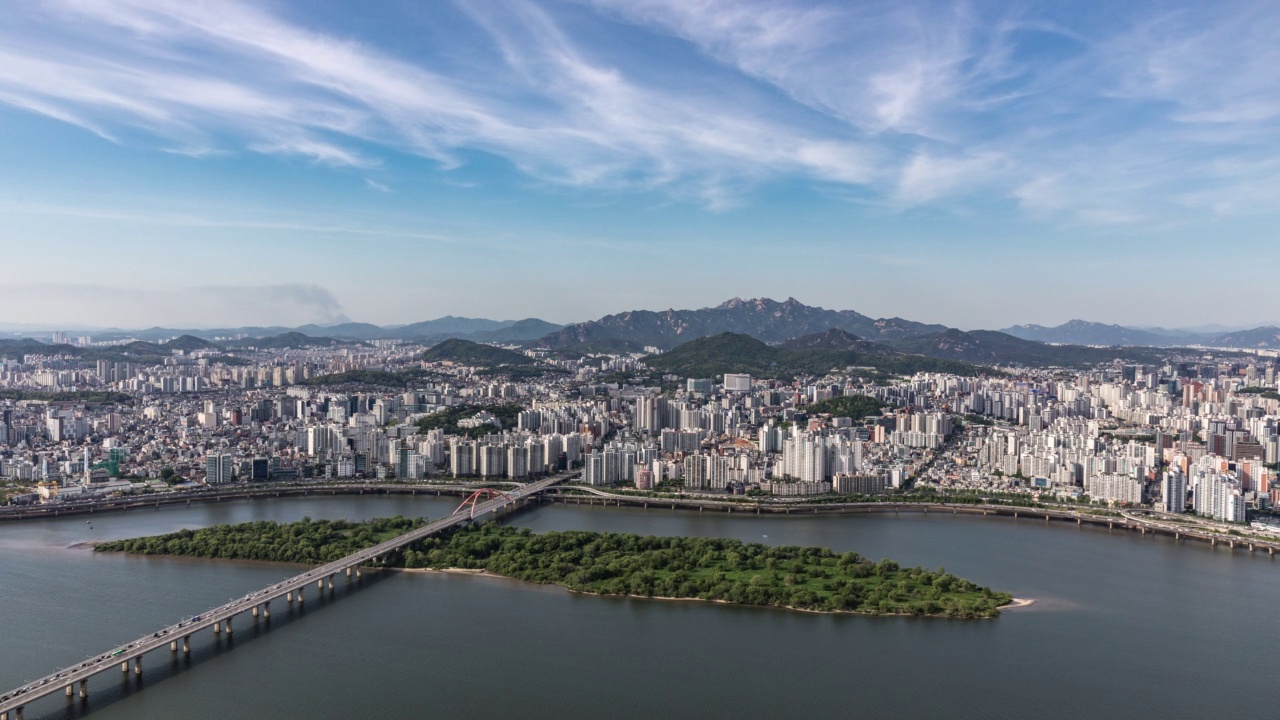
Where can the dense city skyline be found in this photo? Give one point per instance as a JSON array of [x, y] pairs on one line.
[[224, 163]]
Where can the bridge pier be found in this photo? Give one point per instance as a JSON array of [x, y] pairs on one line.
[[70, 691], [186, 644], [330, 582], [1079, 521], [300, 598], [357, 573], [217, 628], [227, 622], [255, 611], [137, 665], [288, 596], [266, 610], [84, 689], [173, 646], [348, 573], [124, 666], [320, 584]]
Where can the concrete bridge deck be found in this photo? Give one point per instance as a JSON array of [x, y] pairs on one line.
[[177, 637]]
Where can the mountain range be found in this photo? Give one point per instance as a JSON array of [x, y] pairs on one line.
[[815, 354], [1083, 332], [761, 318], [426, 332], [789, 326]]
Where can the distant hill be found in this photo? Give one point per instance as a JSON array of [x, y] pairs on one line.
[[739, 353], [188, 343], [761, 318], [344, 331], [17, 349], [288, 341], [136, 351], [479, 329], [447, 325], [466, 352], [996, 348], [1081, 332], [839, 340], [521, 331], [1267, 337]]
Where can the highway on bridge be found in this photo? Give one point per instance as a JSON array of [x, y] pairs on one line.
[[219, 619]]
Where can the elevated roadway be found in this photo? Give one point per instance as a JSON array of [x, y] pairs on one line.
[[237, 491], [1144, 522]]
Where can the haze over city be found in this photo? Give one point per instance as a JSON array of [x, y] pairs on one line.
[[234, 163]]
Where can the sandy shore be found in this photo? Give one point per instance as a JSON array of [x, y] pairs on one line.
[[85, 545], [456, 571], [1018, 603]]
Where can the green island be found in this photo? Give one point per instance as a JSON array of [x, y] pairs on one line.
[[602, 563]]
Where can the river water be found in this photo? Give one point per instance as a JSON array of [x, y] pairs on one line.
[[1124, 626]]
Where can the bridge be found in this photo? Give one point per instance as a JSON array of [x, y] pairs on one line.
[[258, 603]]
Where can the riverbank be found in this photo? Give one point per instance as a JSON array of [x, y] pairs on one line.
[[419, 641], [592, 497]]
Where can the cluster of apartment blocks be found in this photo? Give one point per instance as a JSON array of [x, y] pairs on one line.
[[738, 435], [1108, 434]]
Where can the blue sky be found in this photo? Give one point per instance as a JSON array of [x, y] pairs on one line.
[[975, 164]]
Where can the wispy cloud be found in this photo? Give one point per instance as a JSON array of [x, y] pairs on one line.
[[995, 98], [192, 220], [1071, 115]]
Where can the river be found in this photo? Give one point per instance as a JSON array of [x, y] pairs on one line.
[[1124, 625]]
